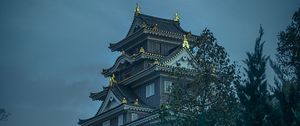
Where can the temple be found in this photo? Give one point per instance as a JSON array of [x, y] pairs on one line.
[[140, 79]]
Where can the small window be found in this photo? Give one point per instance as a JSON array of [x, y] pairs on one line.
[[167, 86], [106, 123], [150, 90], [134, 116]]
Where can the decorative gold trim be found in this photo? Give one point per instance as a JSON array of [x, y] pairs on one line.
[[112, 80], [137, 10], [124, 101], [142, 50], [155, 27], [185, 43], [156, 62], [136, 102], [176, 18]]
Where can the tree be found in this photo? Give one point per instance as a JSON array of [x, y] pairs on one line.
[[3, 115], [287, 69], [253, 94], [208, 98]]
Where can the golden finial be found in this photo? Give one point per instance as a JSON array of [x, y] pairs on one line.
[[176, 18], [112, 80], [185, 43], [142, 50], [137, 10], [155, 27], [136, 102], [124, 101], [156, 62]]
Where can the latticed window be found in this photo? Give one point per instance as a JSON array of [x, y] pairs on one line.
[[150, 90]]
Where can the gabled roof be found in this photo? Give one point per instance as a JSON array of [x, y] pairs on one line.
[[130, 59], [178, 55], [144, 24], [99, 95], [143, 20], [113, 111], [163, 66], [117, 93], [120, 92]]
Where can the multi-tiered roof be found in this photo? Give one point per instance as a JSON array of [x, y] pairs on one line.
[[153, 47]]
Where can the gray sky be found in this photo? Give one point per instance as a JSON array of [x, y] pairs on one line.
[[52, 51]]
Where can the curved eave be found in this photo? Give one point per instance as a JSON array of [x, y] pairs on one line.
[[117, 109], [116, 46], [99, 95], [130, 59], [158, 67], [151, 31], [150, 118], [120, 59]]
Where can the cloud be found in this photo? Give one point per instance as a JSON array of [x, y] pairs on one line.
[[52, 102]]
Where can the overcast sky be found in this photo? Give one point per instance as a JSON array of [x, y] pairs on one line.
[[52, 51]]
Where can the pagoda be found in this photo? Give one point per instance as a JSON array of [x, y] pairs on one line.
[[140, 79]]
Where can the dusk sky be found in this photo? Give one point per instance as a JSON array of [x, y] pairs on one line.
[[52, 51]]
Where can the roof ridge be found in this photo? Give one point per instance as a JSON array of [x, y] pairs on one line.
[[159, 18]]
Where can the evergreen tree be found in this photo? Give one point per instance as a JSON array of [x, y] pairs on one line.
[[209, 99], [287, 69], [253, 94], [3, 114]]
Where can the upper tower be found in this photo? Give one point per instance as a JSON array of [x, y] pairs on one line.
[[155, 35], [153, 49]]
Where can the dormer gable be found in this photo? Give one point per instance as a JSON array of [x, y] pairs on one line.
[[110, 102], [182, 57]]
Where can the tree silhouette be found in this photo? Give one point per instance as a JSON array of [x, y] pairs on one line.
[[3, 114], [287, 69], [209, 99], [253, 94]]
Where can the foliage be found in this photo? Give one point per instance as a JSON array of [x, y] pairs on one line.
[[208, 98], [253, 94], [3, 114], [287, 69]]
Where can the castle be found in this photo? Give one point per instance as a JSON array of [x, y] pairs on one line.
[[141, 76]]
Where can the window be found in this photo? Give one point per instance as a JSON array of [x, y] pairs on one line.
[[167, 86], [150, 90], [120, 120], [134, 116], [106, 123]]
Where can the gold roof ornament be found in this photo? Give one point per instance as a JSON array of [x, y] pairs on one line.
[[155, 27], [136, 102], [124, 101], [137, 9], [185, 43], [142, 50], [176, 18], [112, 80], [156, 62]]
